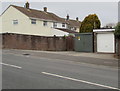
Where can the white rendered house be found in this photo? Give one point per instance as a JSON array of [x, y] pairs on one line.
[[23, 20]]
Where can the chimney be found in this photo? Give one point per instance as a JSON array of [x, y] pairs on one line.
[[67, 17], [45, 9], [77, 19], [27, 5]]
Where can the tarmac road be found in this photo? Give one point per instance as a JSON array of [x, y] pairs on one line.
[[44, 72]]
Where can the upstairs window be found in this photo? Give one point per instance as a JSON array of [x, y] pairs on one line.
[[44, 23], [63, 24], [15, 22], [54, 24], [33, 21]]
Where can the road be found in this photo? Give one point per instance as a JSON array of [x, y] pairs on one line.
[[32, 72]]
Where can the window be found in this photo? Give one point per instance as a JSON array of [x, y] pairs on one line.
[[15, 22], [33, 21], [63, 24], [44, 23], [54, 24], [75, 28]]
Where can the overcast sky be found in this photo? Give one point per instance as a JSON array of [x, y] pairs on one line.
[[106, 11]]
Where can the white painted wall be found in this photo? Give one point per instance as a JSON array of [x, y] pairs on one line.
[[77, 30], [59, 25], [59, 32], [106, 42], [24, 24]]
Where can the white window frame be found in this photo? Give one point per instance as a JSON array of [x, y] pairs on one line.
[[45, 23], [15, 22], [63, 24], [54, 24], [33, 21]]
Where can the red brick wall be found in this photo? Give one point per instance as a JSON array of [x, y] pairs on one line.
[[95, 42], [30, 42], [117, 55]]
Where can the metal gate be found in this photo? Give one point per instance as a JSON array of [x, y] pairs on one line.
[[83, 42]]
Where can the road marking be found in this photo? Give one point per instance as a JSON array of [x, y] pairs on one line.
[[69, 78], [11, 65]]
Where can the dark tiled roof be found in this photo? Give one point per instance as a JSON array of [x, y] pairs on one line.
[[39, 14], [46, 15], [73, 23], [66, 30]]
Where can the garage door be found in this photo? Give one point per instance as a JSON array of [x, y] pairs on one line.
[[105, 43]]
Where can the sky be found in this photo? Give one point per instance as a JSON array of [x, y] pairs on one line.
[[119, 11], [106, 11]]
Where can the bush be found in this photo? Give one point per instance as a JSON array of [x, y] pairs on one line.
[[117, 30]]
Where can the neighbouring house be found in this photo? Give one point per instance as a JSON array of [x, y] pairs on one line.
[[104, 41], [24, 20]]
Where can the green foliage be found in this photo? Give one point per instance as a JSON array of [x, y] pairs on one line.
[[117, 30], [89, 23]]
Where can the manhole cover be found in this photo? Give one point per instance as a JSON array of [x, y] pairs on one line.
[[26, 54]]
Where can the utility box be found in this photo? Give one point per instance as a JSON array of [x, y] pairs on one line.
[[83, 42]]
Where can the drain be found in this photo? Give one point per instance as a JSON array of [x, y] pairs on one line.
[[25, 54]]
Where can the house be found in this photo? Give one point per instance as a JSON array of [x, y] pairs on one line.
[[104, 40], [24, 20]]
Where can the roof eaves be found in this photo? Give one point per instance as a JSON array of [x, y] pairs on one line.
[[45, 20]]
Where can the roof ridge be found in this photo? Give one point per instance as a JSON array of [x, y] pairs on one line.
[[46, 15], [31, 9], [49, 13]]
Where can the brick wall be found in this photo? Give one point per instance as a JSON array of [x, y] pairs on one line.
[[95, 42], [118, 47], [30, 42]]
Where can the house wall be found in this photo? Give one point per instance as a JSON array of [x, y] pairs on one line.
[[58, 32], [77, 30], [59, 25], [24, 25]]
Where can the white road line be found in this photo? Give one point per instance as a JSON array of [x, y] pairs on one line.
[[69, 78], [11, 65]]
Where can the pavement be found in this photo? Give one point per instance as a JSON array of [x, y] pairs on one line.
[[90, 58], [73, 53]]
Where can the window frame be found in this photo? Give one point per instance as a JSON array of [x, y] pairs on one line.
[[15, 22], [45, 23], [63, 24], [33, 21], [54, 24]]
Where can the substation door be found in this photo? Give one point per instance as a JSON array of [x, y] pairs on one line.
[[83, 42]]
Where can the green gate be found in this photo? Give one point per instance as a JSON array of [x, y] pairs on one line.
[[83, 42]]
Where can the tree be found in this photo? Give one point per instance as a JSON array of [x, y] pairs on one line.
[[89, 23], [117, 30]]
